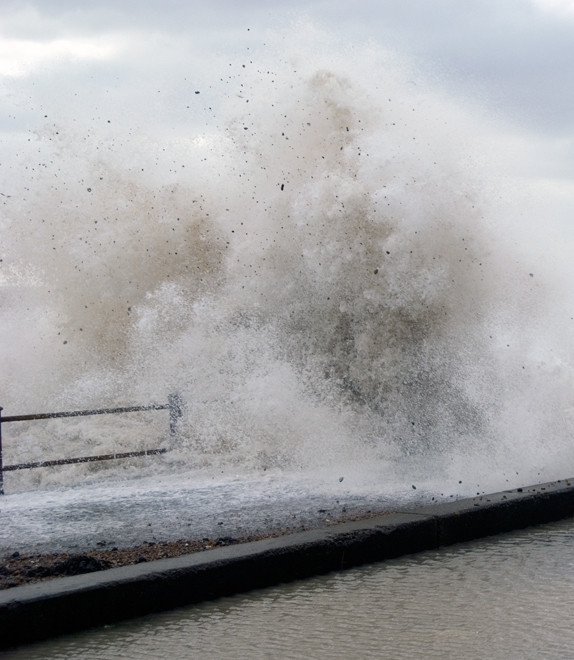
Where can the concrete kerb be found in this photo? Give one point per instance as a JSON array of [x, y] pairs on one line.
[[46, 609]]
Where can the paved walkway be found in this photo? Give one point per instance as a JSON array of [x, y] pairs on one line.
[[128, 512]]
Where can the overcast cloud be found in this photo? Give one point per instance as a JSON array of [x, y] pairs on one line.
[[512, 58], [518, 52]]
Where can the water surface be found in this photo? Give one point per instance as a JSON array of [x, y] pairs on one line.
[[505, 597]]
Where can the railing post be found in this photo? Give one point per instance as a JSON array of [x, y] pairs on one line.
[[1, 464], [175, 403]]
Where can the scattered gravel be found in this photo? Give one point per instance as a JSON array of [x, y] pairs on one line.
[[18, 570], [25, 569]]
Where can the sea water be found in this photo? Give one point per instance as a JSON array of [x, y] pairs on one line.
[[329, 261], [504, 597]]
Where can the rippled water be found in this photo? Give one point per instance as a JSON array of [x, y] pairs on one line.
[[504, 597]]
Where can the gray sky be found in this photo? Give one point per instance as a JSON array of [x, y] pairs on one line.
[[516, 52], [510, 58]]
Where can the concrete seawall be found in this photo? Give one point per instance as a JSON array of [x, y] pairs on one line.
[[46, 609]]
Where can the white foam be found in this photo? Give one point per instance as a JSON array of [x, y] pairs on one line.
[[329, 281]]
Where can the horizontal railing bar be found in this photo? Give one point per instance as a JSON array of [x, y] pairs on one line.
[[175, 412], [82, 459], [80, 413]]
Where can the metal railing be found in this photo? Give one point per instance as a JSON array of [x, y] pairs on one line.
[[174, 405]]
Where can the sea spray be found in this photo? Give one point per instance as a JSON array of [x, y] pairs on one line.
[[317, 271]]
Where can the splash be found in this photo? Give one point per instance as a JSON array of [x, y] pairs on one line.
[[320, 272]]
